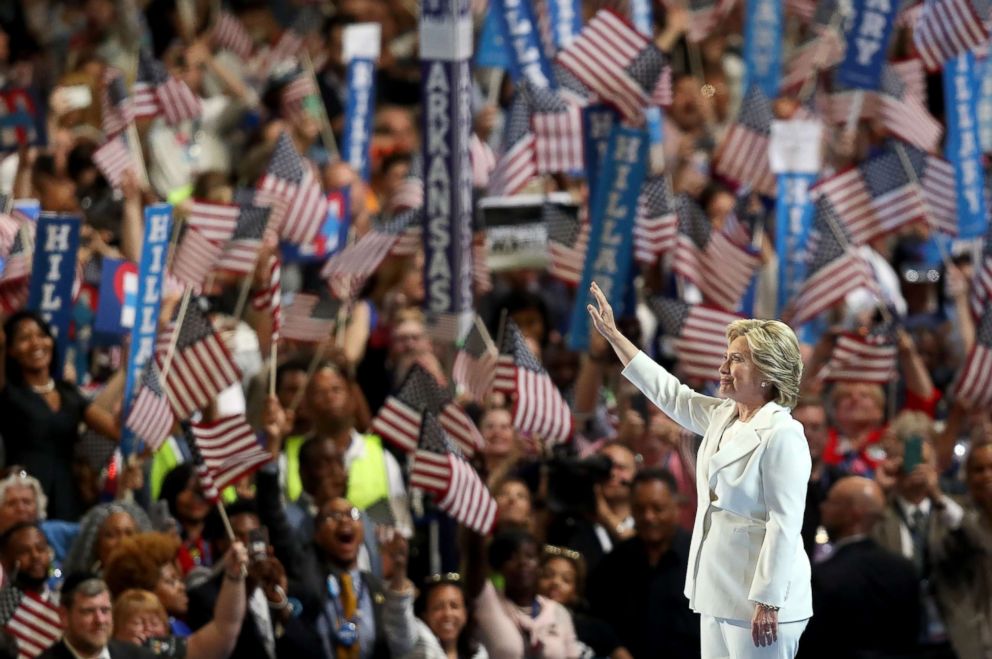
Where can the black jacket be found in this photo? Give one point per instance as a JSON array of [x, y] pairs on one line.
[[866, 603], [118, 650]]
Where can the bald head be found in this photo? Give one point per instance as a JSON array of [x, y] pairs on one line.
[[852, 507]]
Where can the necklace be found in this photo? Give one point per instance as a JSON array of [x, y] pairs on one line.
[[46, 388]]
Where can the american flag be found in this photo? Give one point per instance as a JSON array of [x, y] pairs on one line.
[[482, 276], [206, 479], [33, 621], [214, 221], [347, 271], [913, 75], [804, 10], [656, 227], [113, 159], [201, 366], [229, 449], [9, 228], [150, 417], [409, 195], [619, 64], [241, 250], [557, 128], [270, 298], [195, 258], [699, 332], [936, 178], [475, 363], [437, 467], [17, 259], [229, 33], [974, 383], [308, 319], [981, 286], [710, 259], [835, 269], [898, 108], [289, 182], [743, 154], [571, 88], [869, 358], [948, 28], [517, 164], [704, 16], [116, 108], [568, 237], [538, 407], [158, 93], [294, 96], [822, 52], [287, 47]]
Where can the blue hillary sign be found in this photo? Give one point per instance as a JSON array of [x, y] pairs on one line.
[[642, 14], [763, 45], [358, 116], [869, 29], [53, 274], [609, 255], [963, 147], [527, 56], [793, 221], [566, 21], [491, 52]]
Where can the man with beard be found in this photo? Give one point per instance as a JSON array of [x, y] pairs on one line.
[[26, 556]]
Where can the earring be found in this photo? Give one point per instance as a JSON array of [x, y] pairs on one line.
[[764, 384]]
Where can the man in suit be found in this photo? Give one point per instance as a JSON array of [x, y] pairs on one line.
[[637, 587], [812, 414], [865, 598], [87, 623]]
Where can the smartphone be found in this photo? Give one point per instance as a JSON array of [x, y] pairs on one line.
[[912, 455], [76, 97], [258, 545]]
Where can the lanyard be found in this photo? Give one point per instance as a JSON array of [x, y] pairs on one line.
[[334, 594]]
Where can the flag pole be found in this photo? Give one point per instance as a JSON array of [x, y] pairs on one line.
[[914, 179], [809, 85], [225, 519], [174, 339], [501, 329], [485, 334], [239, 307], [326, 134], [495, 82], [273, 351]]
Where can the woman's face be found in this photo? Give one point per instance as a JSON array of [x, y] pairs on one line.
[[520, 570], [513, 503], [497, 430], [557, 581], [445, 613], [190, 504], [141, 626], [30, 347], [171, 590], [740, 379], [117, 527]]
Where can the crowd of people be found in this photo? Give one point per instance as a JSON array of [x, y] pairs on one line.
[[327, 550]]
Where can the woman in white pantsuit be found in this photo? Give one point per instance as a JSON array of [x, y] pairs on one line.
[[748, 575]]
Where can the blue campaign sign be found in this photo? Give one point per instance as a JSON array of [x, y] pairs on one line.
[[118, 287], [869, 29], [360, 107], [985, 101], [566, 21], [53, 274], [963, 147], [643, 15], [151, 272], [29, 208], [492, 52], [528, 56], [763, 45], [609, 255], [793, 221], [332, 236], [597, 123]]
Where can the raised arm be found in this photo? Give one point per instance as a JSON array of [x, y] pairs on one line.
[[605, 324], [216, 639]]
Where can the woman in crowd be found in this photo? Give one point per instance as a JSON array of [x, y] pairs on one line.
[[140, 617], [514, 504], [748, 576], [181, 491], [101, 531], [40, 413], [562, 580], [149, 561]]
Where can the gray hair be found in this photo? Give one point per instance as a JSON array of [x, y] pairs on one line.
[[82, 554], [22, 479], [88, 588], [775, 351]]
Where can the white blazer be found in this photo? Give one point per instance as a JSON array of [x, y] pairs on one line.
[[746, 545]]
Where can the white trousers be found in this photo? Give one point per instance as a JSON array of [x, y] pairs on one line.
[[731, 639]]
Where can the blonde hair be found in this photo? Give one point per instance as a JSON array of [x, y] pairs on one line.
[[909, 423], [136, 601], [775, 351], [846, 388]]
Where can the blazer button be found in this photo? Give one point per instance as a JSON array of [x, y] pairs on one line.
[[713, 496]]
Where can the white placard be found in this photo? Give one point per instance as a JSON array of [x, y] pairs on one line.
[[361, 41], [795, 146]]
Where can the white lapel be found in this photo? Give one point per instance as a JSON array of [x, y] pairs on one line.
[[747, 439], [711, 442]]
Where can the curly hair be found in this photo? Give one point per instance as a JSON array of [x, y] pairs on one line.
[[82, 554], [137, 562]]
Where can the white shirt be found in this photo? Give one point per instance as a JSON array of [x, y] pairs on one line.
[[952, 514], [259, 607]]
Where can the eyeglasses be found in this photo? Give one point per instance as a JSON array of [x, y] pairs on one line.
[[338, 515]]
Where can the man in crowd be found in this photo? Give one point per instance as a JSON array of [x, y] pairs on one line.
[[22, 500], [26, 558], [637, 587], [811, 413], [865, 598]]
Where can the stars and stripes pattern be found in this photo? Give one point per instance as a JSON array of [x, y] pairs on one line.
[[158, 93], [557, 128], [17, 258], [974, 382], [215, 221], [229, 449], [285, 48], [196, 257], [475, 363], [229, 33], [856, 358], [517, 164], [115, 108], [538, 406], [823, 51], [438, 468], [347, 271], [705, 16], [981, 286], [289, 185], [656, 225], [309, 319], [743, 154], [201, 365], [294, 95], [948, 28], [206, 479], [699, 335], [720, 269], [241, 250], [835, 269], [150, 417], [913, 76], [33, 621], [568, 239], [619, 64], [270, 298], [113, 159]]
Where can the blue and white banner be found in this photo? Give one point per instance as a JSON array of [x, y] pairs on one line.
[[527, 56], [29, 208], [597, 126], [492, 52], [118, 297], [566, 21], [609, 255], [763, 22], [53, 274], [151, 271], [963, 148], [869, 29], [360, 49], [446, 84], [985, 101]]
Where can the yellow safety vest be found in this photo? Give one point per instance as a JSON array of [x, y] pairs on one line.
[[367, 478], [167, 458]]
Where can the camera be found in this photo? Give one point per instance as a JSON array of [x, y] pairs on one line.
[[571, 481]]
